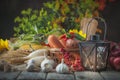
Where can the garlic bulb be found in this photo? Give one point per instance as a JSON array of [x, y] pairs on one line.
[[47, 64], [47, 67], [30, 65], [62, 67]]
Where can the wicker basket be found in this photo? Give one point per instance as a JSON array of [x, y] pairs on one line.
[[57, 55]]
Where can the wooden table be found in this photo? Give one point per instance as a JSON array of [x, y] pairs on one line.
[[84, 75]]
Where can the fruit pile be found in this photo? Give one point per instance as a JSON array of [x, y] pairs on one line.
[[115, 55]]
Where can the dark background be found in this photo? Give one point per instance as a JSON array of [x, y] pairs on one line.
[[9, 9]]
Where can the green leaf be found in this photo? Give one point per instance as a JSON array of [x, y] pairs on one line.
[[77, 36], [23, 12], [25, 20], [45, 13], [29, 10], [41, 12], [36, 29], [17, 19], [33, 17], [48, 4], [57, 5]]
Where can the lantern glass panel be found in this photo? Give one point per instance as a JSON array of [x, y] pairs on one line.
[[94, 55]]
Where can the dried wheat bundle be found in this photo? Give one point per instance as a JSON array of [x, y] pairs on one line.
[[17, 61], [14, 56]]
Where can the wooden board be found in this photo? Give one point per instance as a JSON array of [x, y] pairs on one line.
[[110, 75], [31, 76], [9, 75], [57, 76], [87, 75]]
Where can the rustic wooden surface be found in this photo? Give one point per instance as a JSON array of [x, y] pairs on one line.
[[87, 75], [32, 75], [84, 75], [110, 75], [57, 76], [9, 75]]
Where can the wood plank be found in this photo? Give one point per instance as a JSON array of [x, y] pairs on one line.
[[87, 75], [9, 75], [57, 76], [21, 67], [31, 76], [110, 75]]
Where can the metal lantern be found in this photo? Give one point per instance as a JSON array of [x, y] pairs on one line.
[[94, 54]]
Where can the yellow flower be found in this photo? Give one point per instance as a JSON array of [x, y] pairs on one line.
[[78, 32], [4, 44], [82, 34], [74, 31]]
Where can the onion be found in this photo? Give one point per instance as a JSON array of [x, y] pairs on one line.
[[117, 63], [111, 61], [115, 53], [72, 43]]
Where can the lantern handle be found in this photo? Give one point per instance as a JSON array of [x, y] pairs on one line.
[[105, 26], [105, 30]]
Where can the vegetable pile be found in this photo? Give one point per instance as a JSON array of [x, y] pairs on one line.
[[73, 61]]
